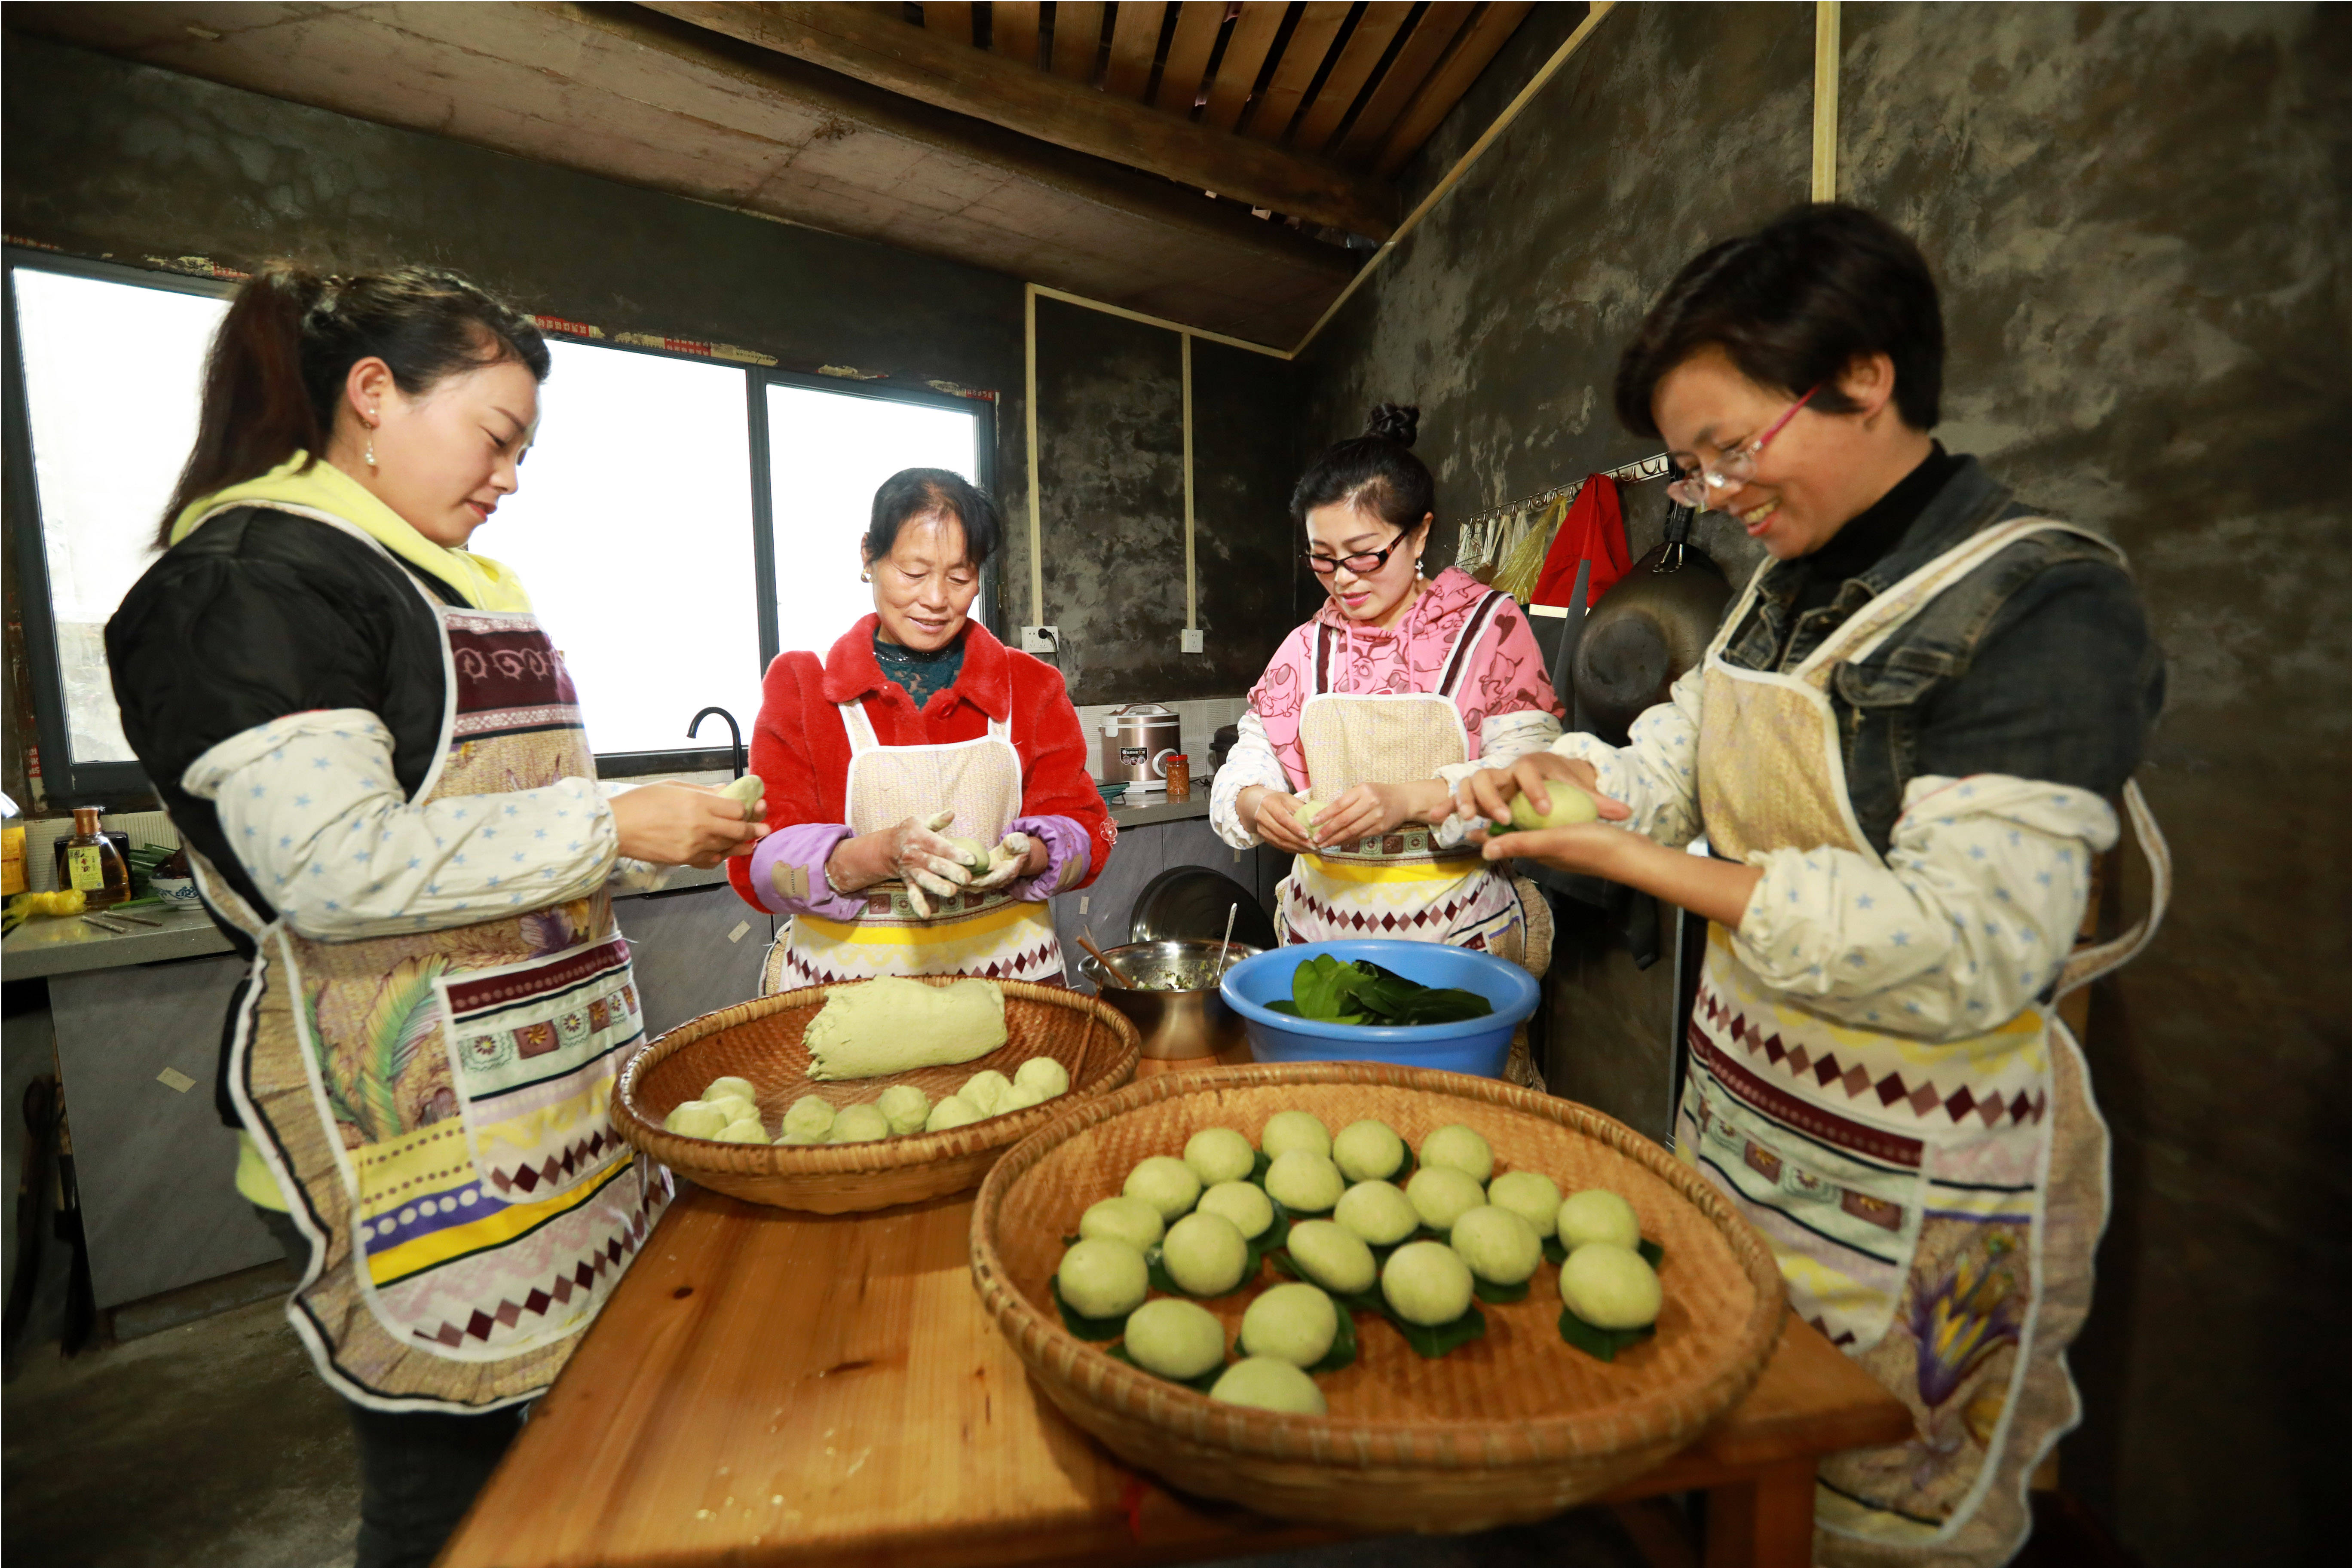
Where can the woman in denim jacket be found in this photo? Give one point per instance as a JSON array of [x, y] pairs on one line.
[[1901, 750]]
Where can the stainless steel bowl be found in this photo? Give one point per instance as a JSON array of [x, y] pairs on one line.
[[1175, 1024]]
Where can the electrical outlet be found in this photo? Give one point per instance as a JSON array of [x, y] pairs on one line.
[[1195, 641], [1041, 639]]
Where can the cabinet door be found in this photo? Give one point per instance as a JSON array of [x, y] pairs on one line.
[[155, 1167], [694, 950]]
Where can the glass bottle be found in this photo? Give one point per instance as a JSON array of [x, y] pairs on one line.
[[88, 860]]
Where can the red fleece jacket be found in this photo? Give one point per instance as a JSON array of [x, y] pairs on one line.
[[802, 753]]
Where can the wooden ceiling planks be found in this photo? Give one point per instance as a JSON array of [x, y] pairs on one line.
[[1246, 47], [1419, 56], [1198, 22], [1376, 29], [1013, 30], [1134, 43], [950, 21], [1473, 47], [1078, 38], [1303, 54]]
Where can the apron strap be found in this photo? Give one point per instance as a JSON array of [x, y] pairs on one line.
[[1869, 627], [1000, 729], [1473, 626], [2087, 963], [860, 728], [1323, 635]]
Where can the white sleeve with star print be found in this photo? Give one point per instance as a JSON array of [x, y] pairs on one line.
[[310, 804], [1970, 918], [1656, 773]]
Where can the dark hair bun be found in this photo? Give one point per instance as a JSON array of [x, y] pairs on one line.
[[1394, 422]]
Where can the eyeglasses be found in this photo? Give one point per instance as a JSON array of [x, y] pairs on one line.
[[1696, 483], [1362, 565]]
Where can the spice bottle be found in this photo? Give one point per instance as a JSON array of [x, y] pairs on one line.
[[90, 861]]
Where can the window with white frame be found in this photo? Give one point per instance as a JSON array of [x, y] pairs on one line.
[[664, 571]]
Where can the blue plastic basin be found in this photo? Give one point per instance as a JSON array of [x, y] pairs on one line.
[[1476, 1046]]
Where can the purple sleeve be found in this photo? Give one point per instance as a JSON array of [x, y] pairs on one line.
[[1067, 855], [802, 851]]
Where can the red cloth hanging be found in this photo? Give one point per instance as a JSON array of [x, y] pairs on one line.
[[1594, 531]]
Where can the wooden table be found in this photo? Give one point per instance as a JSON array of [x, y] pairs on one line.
[[772, 1387]]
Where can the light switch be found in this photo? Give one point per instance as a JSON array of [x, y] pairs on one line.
[[1195, 640]]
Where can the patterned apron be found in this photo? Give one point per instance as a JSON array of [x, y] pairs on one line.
[[993, 935], [1401, 885], [1933, 1206], [439, 1103]]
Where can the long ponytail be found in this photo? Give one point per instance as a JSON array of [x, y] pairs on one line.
[[276, 371]]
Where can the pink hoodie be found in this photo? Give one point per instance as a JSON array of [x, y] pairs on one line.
[[1505, 672]]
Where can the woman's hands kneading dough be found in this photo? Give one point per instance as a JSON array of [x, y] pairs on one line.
[[684, 825], [913, 852]]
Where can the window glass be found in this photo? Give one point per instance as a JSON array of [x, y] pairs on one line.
[[632, 530], [829, 452], [113, 379]]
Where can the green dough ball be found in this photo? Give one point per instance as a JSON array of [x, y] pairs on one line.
[[1044, 1074], [696, 1120], [1610, 1287], [1332, 1255], [1204, 1254], [1379, 1212], [749, 790], [1368, 1152], [1175, 1339], [1294, 1322], [1569, 805], [954, 1111], [738, 1088], [1166, 1184], [1019, 1097], [905, 1107], [809, 1119], [1530, 1196], [985, 1091], [1597, 1214], [1426, 1282], [1243, 1202], [1499, 1246], [1219, 1154], [1288, 1129], [1103, 1278], [1130, 1220], [1457, 1148], [858, 1124], [1304, 1182], [746, 1131], [736, 1107], [1265, 1383], [1442, 1196]]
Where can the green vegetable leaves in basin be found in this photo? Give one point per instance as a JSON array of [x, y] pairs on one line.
[[1330, 992]]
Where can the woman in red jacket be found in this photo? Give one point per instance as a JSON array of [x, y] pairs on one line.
[[919, 724]]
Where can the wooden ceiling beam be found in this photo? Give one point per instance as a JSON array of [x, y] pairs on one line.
[[1302, 56], [1197, 22], [1474, 47], [1376, 29], [948, 20], [887, 53], [1134, 41]]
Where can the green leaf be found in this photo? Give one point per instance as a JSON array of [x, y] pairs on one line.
[[1432, 1340], [1651, 1253], [1354, 1301], [1265, 1241], [1282, 1005], [1200, 1385], [1600, 1344], [1499, 1295], [1555, 1250], [1343, 1353], [1259, 1166], [1094, 1330]]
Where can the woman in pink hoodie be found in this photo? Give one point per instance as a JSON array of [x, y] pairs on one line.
[[1372, 712]]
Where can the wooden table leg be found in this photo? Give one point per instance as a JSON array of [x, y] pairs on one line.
[[1763, 1521]]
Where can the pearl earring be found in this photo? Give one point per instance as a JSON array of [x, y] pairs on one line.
[[371, 449]]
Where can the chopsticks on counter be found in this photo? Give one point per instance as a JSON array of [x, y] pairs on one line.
[[121, 924]]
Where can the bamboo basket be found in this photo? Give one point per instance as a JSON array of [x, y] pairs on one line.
[[1511, 1428], [761, 1040]]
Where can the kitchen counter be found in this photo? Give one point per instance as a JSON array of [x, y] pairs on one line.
[[1159, 809], [50, 945]]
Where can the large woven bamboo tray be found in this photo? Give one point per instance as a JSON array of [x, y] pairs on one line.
[[760, 1041], [1513, 1427]]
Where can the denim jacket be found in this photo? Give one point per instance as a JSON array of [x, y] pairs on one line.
[[2039, 664]]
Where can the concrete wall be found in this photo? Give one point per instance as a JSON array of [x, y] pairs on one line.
[[2138, 217], [106, 158]]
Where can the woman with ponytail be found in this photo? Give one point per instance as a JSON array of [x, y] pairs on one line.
[[376, 761], [1372, 713]]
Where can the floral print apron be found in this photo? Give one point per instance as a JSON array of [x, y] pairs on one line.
[[1933, 1205]]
